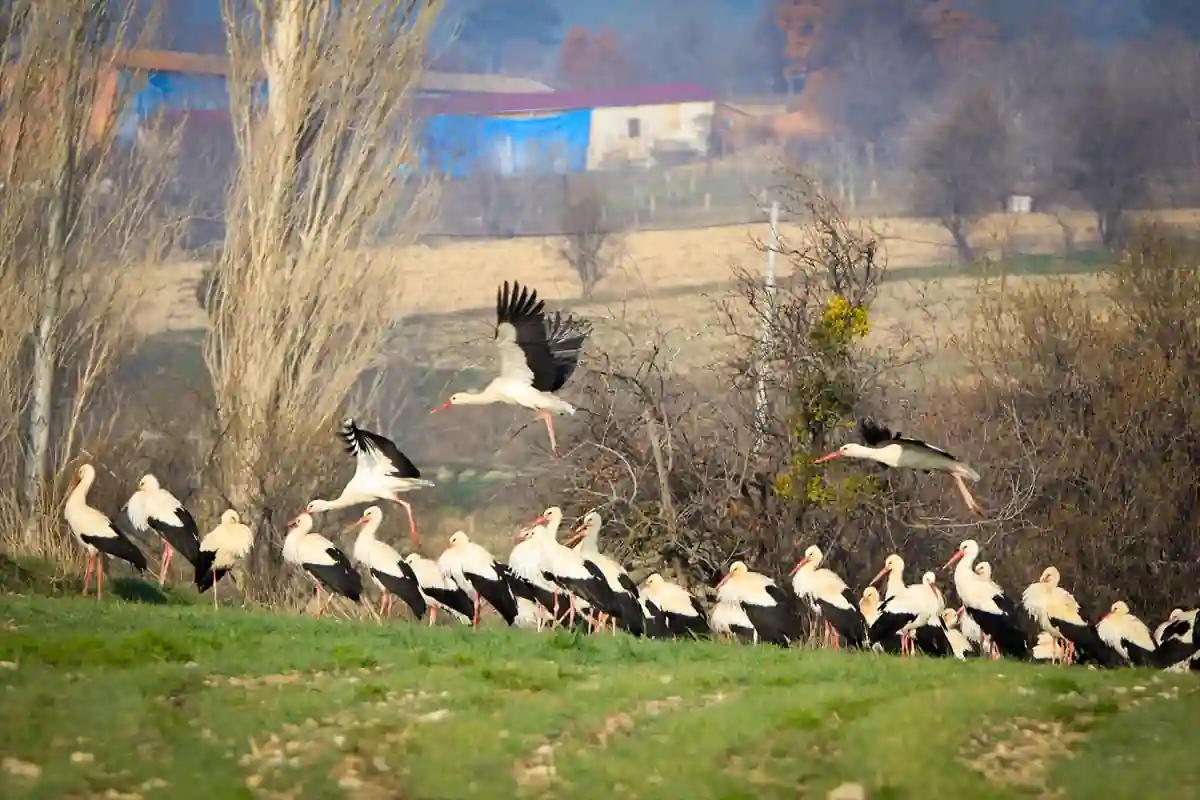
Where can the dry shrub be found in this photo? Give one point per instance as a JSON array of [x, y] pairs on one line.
[[305, 294], [1100, 396], [80, 218], [591, 243]]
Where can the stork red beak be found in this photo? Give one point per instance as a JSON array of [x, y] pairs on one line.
[[361, 521], [952, 560], [576, 536], [538, 521], [799, 564], [442, 407], [728, 575], [878, 577], [830, 457]]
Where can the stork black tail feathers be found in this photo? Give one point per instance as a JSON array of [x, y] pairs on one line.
[[204, 570]]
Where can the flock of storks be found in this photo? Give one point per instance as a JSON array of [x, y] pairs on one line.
[[548, 584]]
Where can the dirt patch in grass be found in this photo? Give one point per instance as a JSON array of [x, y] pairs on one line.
[[1018, 754]]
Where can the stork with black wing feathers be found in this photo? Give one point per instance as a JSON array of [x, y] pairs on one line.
[[894, 450], [381, 472], [538, 353]]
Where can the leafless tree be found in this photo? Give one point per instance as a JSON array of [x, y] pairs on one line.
[[80, 218], [961, 161], [305, 278], [591, 243]]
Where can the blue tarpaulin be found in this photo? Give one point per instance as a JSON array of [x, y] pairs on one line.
[[462, 145]]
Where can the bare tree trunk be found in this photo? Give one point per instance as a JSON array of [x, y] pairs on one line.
[[45, 345]]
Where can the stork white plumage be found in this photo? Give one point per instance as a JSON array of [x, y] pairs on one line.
[[1128, 635], [387, 568], [674, 607], [984, 570], [324, 562], [381, 472], [621, 603], [959, 644], [527, 574], [538, 352], [220, 551], [474, 570], [894, 450], [772, 610], [830, 598], [1172, 618], [1177, 648], [908, 610], [439, 591], [986, 602], [95, 532], [152, 507], [868, 605], [566, 568], [893, 569], [1056, 612], [1049, 648], [727, 619]]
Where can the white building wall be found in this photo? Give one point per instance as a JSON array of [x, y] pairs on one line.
[[677, 126]]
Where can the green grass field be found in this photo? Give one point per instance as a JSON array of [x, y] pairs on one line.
[[133, 700]]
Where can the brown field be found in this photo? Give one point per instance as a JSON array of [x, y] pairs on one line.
[[670, 283]]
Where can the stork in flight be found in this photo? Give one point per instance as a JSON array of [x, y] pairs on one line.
[[538, 353], [894, 450], [381, 472]]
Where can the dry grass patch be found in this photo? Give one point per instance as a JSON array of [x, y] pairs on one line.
[[1019, 753]]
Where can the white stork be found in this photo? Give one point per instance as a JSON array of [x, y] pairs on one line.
[[526, 574], [324, 562], [1056, 612], [986, 603], [959, 644], [1049, 648], [387, 568], [674, 607], [474, 570], [439, 591], [381, 472], [868, 605], [1128, 635], [907, 611], [96, 532], [622, 601], [727, 619], [772, 610], [972, 631], [152, 507], [894, 450], [1176, 639], [538, 353], [566, 568], [220, 551], [830, 598], [893, 569]]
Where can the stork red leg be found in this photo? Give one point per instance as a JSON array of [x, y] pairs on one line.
[[412, 525], [99, 578], [966, 495], [432, 616], [547, 418], [87, 574], [476, 622]]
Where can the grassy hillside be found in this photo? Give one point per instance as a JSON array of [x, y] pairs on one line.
[[128, 700]]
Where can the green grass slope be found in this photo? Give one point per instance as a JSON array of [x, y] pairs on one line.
[[137, 700]]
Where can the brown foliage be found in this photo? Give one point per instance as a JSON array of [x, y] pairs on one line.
[[591, 244], [592, 60]]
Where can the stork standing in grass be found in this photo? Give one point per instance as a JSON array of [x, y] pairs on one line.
[[538, 353], [152, 507], [674, 607], [387, 568], [1128, 635], [959, 644], [325, 564], [727, 620], [474, 570], [221, 550], [830, 598], [1175, 640], [1056, 612], [96, 532], [381, 472], [893, 450], [439, 591], [1049, 648], [772, 610], [566, 568], [986, 602], [972, 631], [526, 573], [907, 611], [893, 570], [622, 600]]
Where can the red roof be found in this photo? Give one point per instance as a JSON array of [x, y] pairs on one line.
[[494, 103]]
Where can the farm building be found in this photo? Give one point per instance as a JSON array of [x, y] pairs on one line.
[[558, 132]]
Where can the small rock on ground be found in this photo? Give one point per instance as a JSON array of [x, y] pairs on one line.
[[848, 791]]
